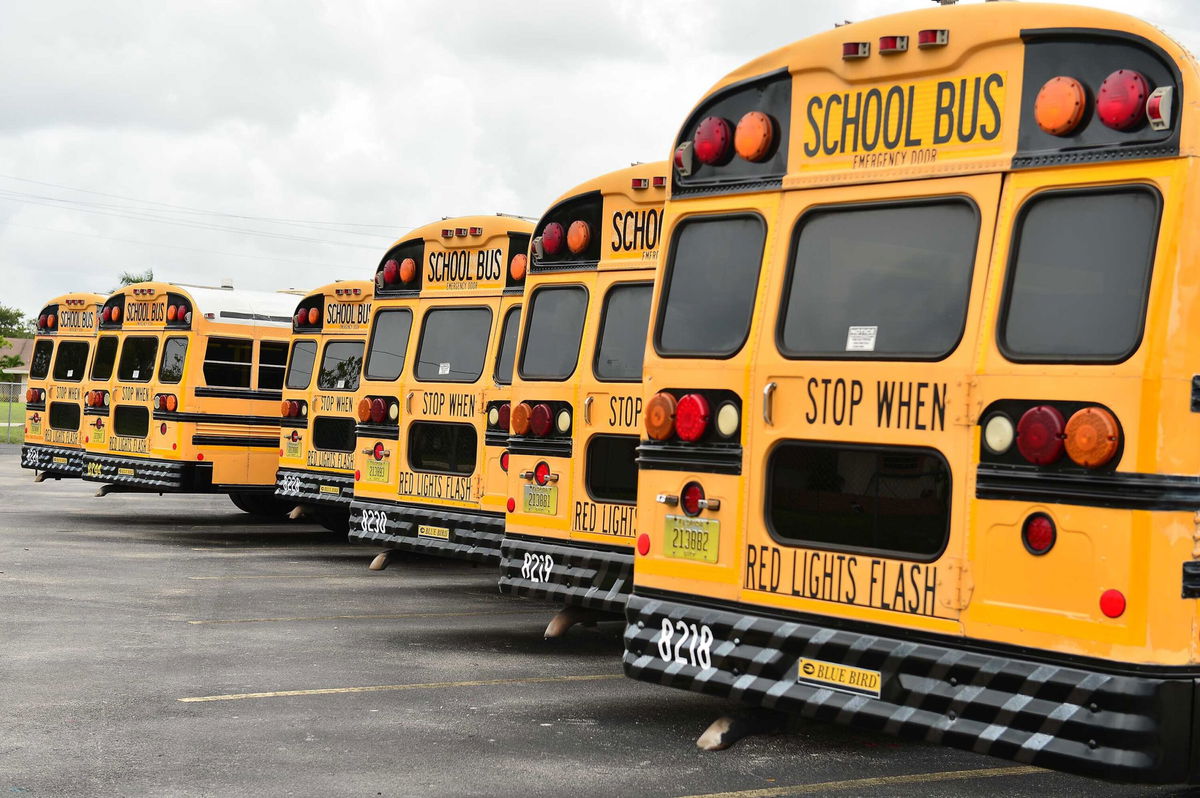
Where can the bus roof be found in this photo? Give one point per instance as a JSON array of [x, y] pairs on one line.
[[457, 255], [609, 222], [942, 90], [217, 305], [338, 308], [73, 313]]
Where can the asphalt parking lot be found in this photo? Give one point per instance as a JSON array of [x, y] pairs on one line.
[[164, 646]]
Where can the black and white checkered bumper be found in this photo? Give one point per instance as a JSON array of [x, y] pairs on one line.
[[141, 472], [1068, 717], [314, 487], [474, 536], [57, 461], [579, 575]]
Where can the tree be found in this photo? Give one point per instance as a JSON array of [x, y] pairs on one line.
[[13, 324], [129, 278]]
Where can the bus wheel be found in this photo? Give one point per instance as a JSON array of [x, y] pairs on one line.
[[336, 521], [263, 505]]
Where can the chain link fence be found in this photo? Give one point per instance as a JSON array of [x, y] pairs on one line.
[[12, 412]]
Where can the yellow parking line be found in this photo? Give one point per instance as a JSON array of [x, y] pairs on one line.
[[358, 617], [425, 686], [876, 781]]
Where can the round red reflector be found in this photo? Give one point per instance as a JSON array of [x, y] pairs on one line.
[[378, 410], [106, 314], [553, 236], [1121, 101], [1038, 534], [713, 141], [505, 416], [313, 315], [579, 235], [689, 498], [691, 417], [512, 505], [504, 462], [295, 436], [754, 136], [541, 473], [377, 452], [540, 419], [1112, 603], [391, 271], [301, 317], [408, 270], [643, 544], [163, 428], [42, 320], [200, 456], [357, 475], [1040, 434], [171, 310]]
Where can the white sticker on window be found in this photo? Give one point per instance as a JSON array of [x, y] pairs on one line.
[[341, 384], [136, 372], [861, 339], [443, 368], [70, 372]]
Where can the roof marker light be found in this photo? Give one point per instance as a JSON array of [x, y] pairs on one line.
[[1121, 101], [476, 231], [447, 232], [933, 37], [659, 182], [889, 45], [855, 50], [640, 182], [461, 232]]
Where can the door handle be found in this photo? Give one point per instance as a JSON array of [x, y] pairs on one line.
[[408, 402], [587, 409], [768, 394]]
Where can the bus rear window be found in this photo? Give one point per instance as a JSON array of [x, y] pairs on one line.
[[340, 366], [106, 357], [612, 468], [453, 344], [508, 347], [170, 368], [300, 369], [442, 448], [1079, 276], [227, 363], [131, 421], [39, 364], [553, 328], [884, 281], [333, 434], [137, 359], [71, 361], [887, 499], [708, 296], [64, 415], [389, 342], [622, 345]]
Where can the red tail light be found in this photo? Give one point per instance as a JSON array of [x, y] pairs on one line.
[[106, 314], [505, 412], [713, 141], [301, 317], [691, 417], [377, 452], [540, 419], [553, 237], [184, 314], [1112, 603], [504, 462], [541, 473], [690, 498], [378, 410], [1040, 434], [1121, 101], [42, 320], [1038, 534]]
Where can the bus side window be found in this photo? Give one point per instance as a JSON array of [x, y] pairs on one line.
[[170, 368], [227, 363], [39, 366], [507, 352], [272, 363]]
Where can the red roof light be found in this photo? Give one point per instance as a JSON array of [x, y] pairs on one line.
[[713, 141], [1121, 101]]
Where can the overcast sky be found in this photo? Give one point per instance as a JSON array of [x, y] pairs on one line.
[[288, 143]]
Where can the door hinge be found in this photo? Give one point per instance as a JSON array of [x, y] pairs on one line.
[[954, 584]]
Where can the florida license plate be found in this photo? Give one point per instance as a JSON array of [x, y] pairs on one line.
[[692, 538], [35, 428], [376, 471], [292, 449], [100, 437], [542, 500]]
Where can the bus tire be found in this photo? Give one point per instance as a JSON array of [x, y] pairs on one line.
[[336, 521], [263, 505]]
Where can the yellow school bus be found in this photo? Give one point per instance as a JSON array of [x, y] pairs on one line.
[[576, 397], [66, 330], [920, 390], [192, 405], [316, 441], [429, 458]]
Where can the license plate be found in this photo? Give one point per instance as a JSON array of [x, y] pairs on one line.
[[376, 471], [292, 449], [692, 538], [59, 460], [834, 675], [126, 472], [439, 532], [100, 437], [542, 500], [35, 428]]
